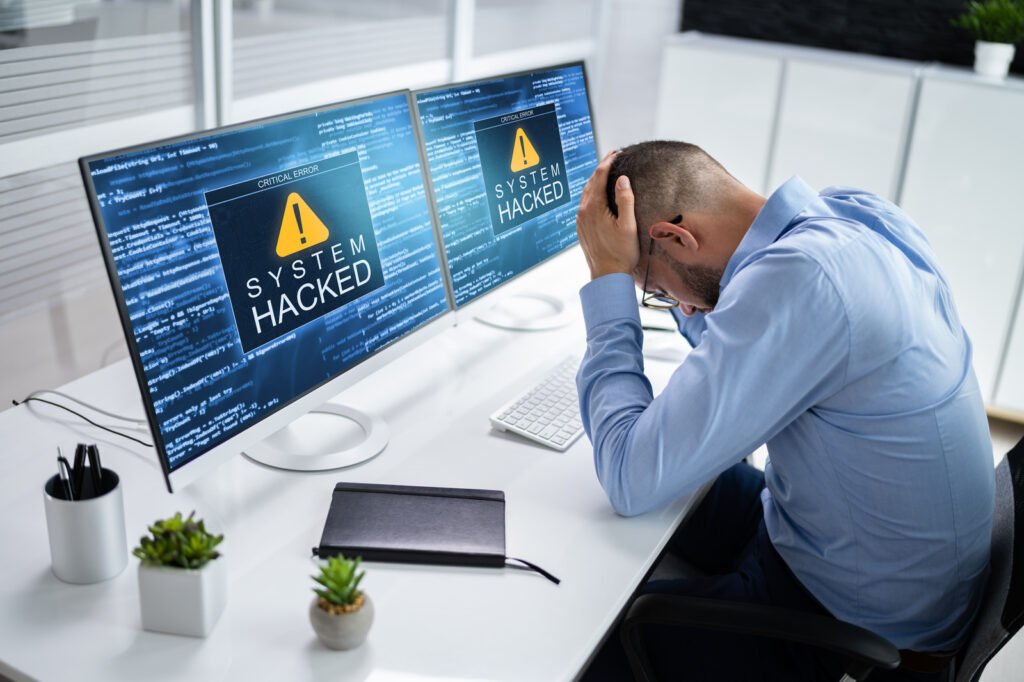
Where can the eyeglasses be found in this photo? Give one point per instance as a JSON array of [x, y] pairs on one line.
[[656, 301]]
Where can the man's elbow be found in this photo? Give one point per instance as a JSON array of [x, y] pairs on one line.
[[623, 501], [624, 507], [612, 457]]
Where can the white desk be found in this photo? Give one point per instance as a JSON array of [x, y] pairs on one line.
[[431, 623]]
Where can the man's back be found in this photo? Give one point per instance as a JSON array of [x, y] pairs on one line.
[[895, 534]]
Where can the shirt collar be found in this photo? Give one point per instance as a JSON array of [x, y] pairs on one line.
[[785, 203]]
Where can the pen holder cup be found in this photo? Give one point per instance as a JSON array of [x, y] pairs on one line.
[[88, 543]]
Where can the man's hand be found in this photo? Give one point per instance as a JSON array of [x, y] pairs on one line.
[[609, 244]]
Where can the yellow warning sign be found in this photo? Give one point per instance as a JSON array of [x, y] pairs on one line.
[[300, 227], [523, 154]]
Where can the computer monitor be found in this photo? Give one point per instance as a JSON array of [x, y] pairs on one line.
[[260, 269], [508, 158]]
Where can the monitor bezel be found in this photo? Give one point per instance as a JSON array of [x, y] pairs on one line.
[[476, 300], [300, 404]]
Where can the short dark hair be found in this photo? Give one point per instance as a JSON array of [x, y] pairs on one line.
[[667, 177]]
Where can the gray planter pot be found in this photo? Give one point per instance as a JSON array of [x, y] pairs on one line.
[[343, 631]]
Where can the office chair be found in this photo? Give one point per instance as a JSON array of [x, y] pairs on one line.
[[1000, 617]]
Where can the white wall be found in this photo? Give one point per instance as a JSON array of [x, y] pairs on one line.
[[628, 69]]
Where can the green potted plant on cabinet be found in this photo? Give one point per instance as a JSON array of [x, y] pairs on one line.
[[182, 578], [341, 613], [997, 26]]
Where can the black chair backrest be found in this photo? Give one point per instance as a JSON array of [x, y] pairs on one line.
[[1002, 611]]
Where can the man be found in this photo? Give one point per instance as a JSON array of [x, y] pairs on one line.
[[822, 326]]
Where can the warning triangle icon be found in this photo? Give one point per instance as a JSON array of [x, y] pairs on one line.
[[523, 154], [300, 227]]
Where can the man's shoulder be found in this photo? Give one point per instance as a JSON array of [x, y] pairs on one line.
[[808, 246], [858, 196], [793, 267]]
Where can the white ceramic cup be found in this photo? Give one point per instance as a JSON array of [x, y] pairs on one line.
[[88, 543]]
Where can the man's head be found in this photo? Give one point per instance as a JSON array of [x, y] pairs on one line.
[[693, 209], [668, 176]]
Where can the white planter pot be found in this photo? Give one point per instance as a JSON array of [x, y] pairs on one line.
[[342, 631], [183, 601], [992, 60]]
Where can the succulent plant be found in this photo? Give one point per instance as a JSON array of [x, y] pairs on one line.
[[178, 542], [339, 584]]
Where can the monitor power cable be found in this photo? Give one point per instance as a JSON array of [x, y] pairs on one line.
[[34, 397]]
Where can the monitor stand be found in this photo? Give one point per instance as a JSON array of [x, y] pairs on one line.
[[328, 437], [527, 311]]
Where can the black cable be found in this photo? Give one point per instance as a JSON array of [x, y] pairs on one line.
[[652, 328], [82, 416], [73, 399]]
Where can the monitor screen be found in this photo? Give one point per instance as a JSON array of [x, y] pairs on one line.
[[253, 264], [508, 158]]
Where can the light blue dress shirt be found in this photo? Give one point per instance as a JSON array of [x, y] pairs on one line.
[[836, 342]]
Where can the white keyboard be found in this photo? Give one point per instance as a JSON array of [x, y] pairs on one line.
[[548, 413]]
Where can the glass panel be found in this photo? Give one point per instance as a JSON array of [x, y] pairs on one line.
[[68, 63], [283, 43], [502, 25], [36, 265]]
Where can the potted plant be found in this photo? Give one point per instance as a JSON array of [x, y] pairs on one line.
[[341, 613], [997, 25], [182, 580]]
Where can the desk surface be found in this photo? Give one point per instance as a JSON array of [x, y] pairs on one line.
[[431, 622]]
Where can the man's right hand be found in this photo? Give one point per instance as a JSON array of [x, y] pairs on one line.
[[609, 244]]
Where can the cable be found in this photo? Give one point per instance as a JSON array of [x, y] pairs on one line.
[[73, 399], [82, 416]]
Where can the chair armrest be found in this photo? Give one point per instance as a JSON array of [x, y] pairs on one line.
[[863, 650]]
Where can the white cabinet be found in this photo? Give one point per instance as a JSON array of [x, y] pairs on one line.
[[722, 100], [963, 187], [843, 123], [1010, 390], [769, 112]]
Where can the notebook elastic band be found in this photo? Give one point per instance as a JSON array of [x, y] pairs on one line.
[[534, 567]]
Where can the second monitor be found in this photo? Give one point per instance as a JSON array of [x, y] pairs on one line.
[[508, 159]]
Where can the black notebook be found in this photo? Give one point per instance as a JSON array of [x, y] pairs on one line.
[[416, 524]]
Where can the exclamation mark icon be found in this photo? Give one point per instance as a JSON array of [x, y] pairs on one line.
[[301, 227], [523, 154], [298, 221]]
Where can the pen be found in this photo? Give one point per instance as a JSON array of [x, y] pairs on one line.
[[97, 470], [64, 471], [78, 468]]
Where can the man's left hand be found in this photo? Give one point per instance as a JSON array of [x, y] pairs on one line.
[[609, 244]]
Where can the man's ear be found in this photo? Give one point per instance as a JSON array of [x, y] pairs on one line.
[[672, 237]]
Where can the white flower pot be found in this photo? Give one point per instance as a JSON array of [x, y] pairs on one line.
[[183, 601], [342, 631], [992, 60]]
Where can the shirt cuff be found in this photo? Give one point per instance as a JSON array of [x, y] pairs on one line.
[[607, 298]]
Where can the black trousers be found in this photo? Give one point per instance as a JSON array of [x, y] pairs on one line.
[[726, 539]]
